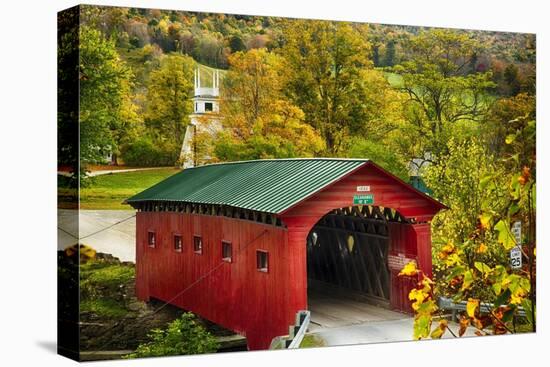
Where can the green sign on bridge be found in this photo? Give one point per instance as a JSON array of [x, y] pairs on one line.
[[363, 199]]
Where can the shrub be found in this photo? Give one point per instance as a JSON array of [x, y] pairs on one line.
[[182, 336], [144, 153]]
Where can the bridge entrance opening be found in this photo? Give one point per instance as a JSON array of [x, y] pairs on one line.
[[349, 280]]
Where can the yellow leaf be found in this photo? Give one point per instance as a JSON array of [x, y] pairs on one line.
[[409, 270], [437, 333], [505, 235], [426, 282], [452, 260], [481, 249], [87, 251], [422, 326], [485, 220], [472, 306], [516, 299], [448, 248], [467, 281], [418, 296]]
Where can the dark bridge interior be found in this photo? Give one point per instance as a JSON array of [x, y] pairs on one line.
[[347, 253]]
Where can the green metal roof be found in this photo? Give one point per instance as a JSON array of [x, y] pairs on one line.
[[270, 185]]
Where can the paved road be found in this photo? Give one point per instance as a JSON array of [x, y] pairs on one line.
[[343, 321], [330, 311], [110, 172], [375, 332], [119, 240]]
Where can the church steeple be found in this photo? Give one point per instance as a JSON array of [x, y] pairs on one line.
[[205, 117], [206, 99]]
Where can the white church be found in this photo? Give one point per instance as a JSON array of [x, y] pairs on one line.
[[204, 119]]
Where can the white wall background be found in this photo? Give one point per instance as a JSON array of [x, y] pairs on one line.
[[28, 179]]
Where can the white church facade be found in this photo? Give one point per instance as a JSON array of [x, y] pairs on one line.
[[204, 119]]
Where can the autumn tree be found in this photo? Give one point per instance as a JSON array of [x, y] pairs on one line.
[[441, 93], [169, 93], [506, 117], [327, 67], [107, 115], [260, 121]]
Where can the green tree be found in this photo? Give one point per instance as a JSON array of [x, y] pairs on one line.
[[389, 57], [67, 99], [441, 95], [458, 181], [106, 111], [379, 153], [182, 336], [236, 44], [169, 93], [260, 120], [376, 54], [511, 76], [325, 66]]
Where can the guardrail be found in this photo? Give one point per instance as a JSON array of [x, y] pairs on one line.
[[296, 332], [484, 307]]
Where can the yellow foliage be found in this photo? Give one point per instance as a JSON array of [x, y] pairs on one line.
[[485, 220], [472, 306], [257, 111], [83, 250], [418, 296], [437, 333], [453, 259], [482, 248], [409, 270]]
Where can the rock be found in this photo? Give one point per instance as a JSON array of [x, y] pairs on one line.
[[135, 306]]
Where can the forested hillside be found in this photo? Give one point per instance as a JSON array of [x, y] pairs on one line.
[[323, 85]]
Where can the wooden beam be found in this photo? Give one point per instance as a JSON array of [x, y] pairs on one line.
[[359, 233]]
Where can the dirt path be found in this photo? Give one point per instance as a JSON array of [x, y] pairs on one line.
[[112, 171]]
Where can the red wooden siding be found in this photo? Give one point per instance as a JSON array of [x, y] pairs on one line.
[[235, 295], [387, 191], [402, 245]]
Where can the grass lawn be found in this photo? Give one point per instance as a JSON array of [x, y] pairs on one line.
[[109, 191], [100, 285]]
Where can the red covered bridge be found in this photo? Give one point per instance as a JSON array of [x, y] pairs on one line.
[[238, 243]]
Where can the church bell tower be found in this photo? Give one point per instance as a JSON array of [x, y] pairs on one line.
[[205, 117]]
